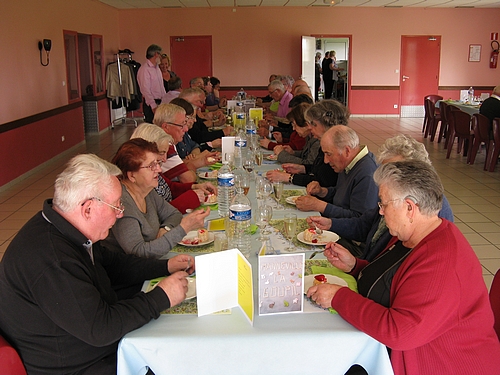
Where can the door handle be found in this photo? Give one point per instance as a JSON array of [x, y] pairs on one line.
[[405, 78]]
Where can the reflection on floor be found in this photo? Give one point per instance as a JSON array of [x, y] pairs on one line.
[[473, 193]]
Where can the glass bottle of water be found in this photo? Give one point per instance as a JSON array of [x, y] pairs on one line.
[[240, 216], [225, 183]]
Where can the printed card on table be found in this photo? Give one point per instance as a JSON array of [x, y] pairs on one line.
[[281, 283], [227, 146], [223, 281]]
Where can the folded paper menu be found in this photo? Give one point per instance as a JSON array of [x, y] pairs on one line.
[[224, 281], [281, 283]]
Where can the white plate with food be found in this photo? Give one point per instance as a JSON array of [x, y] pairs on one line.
[[330, 279], [197, 238], [212, 175], [272, 157], [210, 200], [309, 237], [292, 199]]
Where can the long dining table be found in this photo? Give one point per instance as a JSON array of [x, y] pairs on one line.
[[465, 107], [225, 343]]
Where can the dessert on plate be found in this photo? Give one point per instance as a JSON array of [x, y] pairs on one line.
[[211, 198], [310, 235], [320, 279]]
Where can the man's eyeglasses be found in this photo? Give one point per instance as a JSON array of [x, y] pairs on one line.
[[118, 209], [179, 125], [272, 92], [153, 165], [382, 206]]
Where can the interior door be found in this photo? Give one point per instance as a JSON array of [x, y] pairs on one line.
[[420, 58], [191, 57], [308, 52]]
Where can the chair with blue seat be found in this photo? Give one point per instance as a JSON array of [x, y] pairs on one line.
[[10, 362]]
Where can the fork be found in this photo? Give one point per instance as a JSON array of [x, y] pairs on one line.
[[316, 253]]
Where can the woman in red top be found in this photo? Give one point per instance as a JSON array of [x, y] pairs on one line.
[[424, 296], [182, 196]]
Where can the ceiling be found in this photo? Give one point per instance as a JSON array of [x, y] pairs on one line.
[[144, 4]]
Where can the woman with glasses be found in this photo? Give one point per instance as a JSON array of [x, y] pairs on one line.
[[150, 227], [424, 296], [290, 153], [182, 196]]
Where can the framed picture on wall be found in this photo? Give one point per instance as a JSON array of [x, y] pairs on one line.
[[474, 52]]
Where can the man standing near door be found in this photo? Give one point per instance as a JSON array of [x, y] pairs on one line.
[[150, 81]]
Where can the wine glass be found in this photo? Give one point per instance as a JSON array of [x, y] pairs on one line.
[[258, 157], [290, 222], [266, 189], [248, 165], [242, 182], [278, 192], [230, 160], [263, 214]]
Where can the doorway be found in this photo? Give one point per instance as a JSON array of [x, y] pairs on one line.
[[420, 59], [341, 44], [191, 57]]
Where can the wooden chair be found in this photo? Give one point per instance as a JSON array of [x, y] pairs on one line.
[[432, 118], [450, 136], [10, 362], [461, 124], [495, 301], [481, 129], [493, 159]]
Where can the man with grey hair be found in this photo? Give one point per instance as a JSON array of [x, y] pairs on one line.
[[59, 308], [369, 229], [199, 132], [150, 80], [172, 119], [355, 191], [196, 82]]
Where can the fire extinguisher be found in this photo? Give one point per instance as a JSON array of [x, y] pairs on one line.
[[494, 54]]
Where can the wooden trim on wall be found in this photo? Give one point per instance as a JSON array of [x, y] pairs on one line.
[[374, 87], [458, 88], [238, 88], [43, 115]]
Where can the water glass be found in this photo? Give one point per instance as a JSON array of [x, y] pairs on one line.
[[220, 242]]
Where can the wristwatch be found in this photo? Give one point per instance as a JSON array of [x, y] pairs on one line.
[[290, 179]]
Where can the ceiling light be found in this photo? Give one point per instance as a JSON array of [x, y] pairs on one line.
[[332, 2]]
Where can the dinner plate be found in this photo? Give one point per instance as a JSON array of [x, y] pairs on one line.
[[308, 280], [209, 204], [209, 177], [292, 199], [191, 292], [326, 237], [193, 234]]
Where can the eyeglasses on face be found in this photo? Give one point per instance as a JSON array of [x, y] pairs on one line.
[[272, 92], [153, 165], [179, 125], [382, 206], [117, 209]]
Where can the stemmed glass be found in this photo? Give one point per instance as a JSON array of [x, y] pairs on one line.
[[290, 222], [266, 189], [278, 192], [263, 215], [241, 182], [230, 160], [248, 165]]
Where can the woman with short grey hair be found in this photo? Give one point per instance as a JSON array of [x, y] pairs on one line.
[[423, 297]]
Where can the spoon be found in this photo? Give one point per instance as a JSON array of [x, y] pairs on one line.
[[316, 252]]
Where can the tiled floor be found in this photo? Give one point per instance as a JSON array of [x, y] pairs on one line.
[[473, 194]]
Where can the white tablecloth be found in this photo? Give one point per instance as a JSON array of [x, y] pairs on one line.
[[288, 344]]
